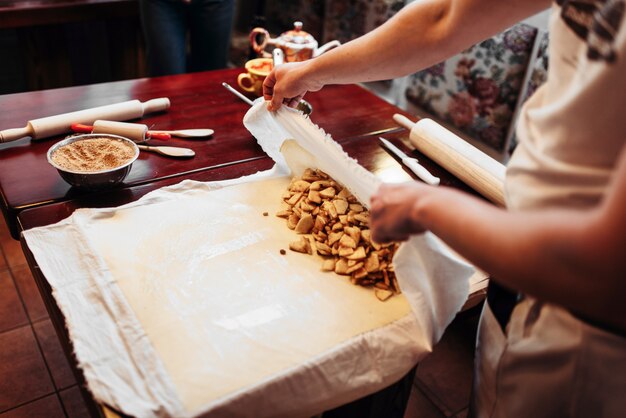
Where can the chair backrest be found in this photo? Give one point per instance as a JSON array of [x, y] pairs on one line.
[[477, 91]]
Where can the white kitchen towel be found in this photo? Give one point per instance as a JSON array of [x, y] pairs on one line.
[[429, 274], [180, 304]]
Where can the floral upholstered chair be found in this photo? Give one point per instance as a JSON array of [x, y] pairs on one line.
[[538, 76], [477, 91]]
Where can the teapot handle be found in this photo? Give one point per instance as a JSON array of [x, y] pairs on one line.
[[329, 45], [258, 48]]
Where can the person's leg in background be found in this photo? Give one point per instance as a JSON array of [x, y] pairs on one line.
[[164, 24], [211, 23]]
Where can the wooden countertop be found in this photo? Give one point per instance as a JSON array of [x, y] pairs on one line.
[[34, 195], [197, 101], [17, 13]]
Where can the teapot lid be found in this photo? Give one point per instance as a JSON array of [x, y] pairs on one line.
[[298, 36]]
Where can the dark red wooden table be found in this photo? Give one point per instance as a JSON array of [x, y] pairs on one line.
[[364, 148], [34, 195], [197, 101]]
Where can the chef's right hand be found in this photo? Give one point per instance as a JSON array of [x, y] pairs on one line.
[[394, 214], [287, 84]]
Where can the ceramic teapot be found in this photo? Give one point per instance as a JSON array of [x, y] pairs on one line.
[[296, 44]]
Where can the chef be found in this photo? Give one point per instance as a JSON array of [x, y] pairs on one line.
[[552, 338]]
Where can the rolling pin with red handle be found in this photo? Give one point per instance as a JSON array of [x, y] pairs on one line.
[[59, 124], [136, 132], [468, 163]]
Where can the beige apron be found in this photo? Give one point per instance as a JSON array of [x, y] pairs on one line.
[[549, 364]]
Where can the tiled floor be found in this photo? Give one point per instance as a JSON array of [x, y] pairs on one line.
[[35, 377], [36, 380]]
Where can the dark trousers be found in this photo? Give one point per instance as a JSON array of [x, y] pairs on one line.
[[184, 36]]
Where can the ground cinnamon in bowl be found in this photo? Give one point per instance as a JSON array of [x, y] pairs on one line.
[[93, 154], [93, 161]]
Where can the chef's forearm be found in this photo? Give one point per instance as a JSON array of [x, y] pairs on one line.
[[564, 256], [420, 35]]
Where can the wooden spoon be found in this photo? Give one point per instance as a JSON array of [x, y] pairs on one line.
[[178, 152], [187, 133]]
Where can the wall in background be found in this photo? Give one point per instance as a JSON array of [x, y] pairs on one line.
[[45, 48]]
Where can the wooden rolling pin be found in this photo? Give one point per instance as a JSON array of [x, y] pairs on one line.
[[136, 132], [59, 124], [468, 163]]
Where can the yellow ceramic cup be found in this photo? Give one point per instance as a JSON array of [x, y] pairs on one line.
[[252, 80]]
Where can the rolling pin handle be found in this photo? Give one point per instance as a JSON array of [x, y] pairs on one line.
[[14, 134], [156, 105], [403, 121], [158, 135], [80, 128]]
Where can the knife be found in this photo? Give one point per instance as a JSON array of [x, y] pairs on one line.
[[412, 163]]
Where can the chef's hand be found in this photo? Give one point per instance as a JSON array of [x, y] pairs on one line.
[[287, 84], [394, 214]]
